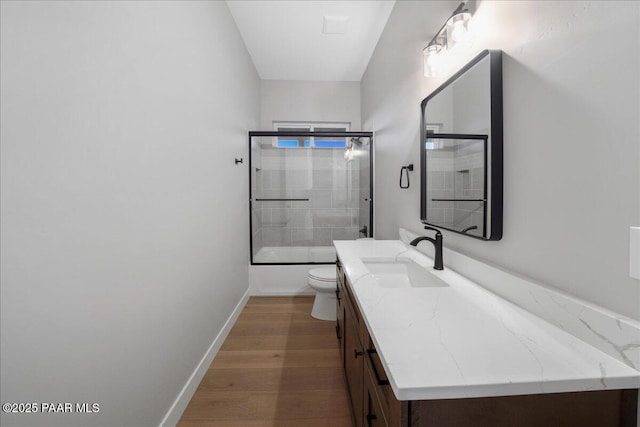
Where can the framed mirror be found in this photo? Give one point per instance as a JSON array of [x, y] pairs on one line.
[[461, 151]]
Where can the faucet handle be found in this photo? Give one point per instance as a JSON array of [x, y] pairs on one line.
[[426, 227]]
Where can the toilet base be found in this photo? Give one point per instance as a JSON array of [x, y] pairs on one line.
[[324, 306]]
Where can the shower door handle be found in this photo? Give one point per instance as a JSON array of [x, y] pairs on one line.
[[281, 200]]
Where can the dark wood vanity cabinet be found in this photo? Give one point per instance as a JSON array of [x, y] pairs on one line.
[[374, 404], [340, 308], [351, 350], [374, 414], [371, 396], [383, 407], [353, 366]]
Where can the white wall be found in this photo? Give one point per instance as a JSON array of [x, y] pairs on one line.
[[124, 218], [571, 132], [317, 101]]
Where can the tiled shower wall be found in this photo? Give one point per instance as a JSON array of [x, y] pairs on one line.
[[322, 176], [456, 176], [469, 184]]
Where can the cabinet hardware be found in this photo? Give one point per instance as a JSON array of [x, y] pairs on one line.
[[370, 417], [357, 353], [370, 353], [338, 332]]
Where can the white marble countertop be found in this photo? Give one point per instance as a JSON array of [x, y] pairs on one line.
[[463, 341]]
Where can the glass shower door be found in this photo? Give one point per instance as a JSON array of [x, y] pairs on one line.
[[306, 192], [362, 156]]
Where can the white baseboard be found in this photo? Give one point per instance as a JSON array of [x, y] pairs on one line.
[[180, 404]]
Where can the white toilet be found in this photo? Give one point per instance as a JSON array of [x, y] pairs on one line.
[[323, 281]]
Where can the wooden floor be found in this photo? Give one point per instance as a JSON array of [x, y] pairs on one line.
[[278, 367]]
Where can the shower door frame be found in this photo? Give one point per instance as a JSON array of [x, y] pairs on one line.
[[310, 134]]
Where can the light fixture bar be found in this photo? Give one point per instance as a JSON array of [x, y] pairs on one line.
[[441, 34], [451, 36]]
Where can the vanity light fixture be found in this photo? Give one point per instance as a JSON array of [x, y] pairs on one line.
[[458, 29], [453, 35], [432, 59]]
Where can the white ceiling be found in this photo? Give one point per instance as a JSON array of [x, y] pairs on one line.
[[286, 42]]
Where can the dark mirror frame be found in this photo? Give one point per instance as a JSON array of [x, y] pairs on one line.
[[494, 163]]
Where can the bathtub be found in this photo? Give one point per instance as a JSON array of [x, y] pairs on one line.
[[279, 278], [299, 254]]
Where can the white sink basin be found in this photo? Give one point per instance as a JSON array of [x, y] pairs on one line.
[[401, 273]]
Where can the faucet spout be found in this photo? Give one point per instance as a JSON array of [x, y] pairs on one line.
[[437, 243]]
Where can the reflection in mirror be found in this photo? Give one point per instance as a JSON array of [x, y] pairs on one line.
[[456, 182], [461, 151]]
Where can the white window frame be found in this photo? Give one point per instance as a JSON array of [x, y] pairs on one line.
[[311, 126]]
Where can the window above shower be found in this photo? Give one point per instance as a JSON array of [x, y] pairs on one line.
[[310, 141], [305, 192]]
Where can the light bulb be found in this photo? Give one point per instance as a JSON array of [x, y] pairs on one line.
[[458, 31], [431, 60]]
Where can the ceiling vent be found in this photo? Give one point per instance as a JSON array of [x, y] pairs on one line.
[[335, 24]]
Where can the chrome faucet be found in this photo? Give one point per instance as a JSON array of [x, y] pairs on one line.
[[437, 243]]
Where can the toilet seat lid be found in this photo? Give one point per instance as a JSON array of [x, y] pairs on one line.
[[325, 274]]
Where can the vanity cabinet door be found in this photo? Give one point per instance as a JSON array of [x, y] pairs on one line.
[[340, 328], [372, 400], [394, 411], [340, 308], [375, 415], [353, 366]]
